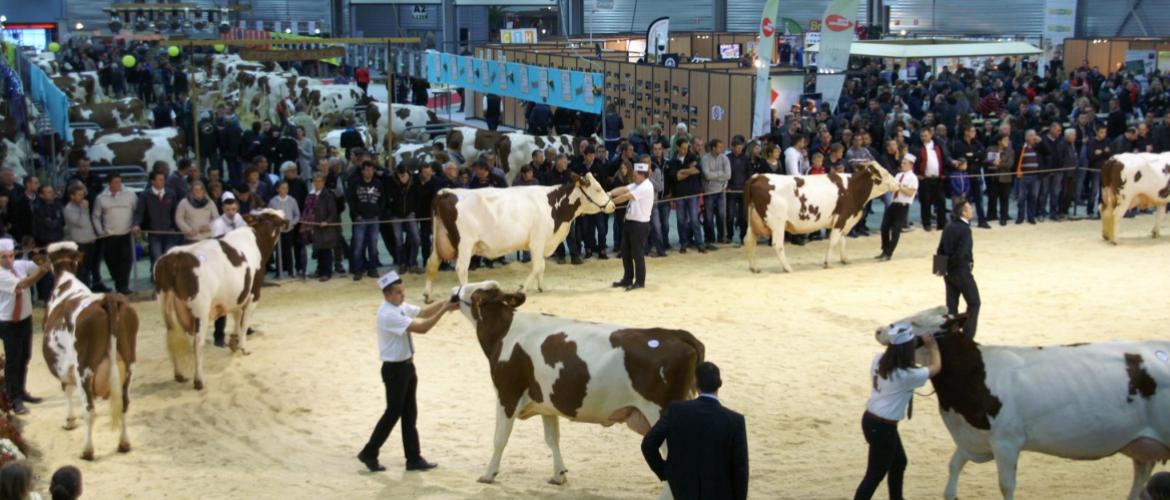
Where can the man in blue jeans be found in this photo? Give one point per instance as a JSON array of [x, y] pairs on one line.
[[716, 173], [366, 197], [1028, 185], [688, 185], [155, 214]]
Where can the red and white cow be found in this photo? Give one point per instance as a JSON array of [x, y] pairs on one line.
[[581, 371], [126, 112], [1078, 401], [1132, 180], [202, 282], [81, 86], [492, 222], [129, 146], [801, 204], [89, 345]]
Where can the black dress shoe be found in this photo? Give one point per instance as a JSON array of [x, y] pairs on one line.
[[372, 463], [18, 408], [30, 399], [602, 256], [420, 465], [576, 261], [621, 284], [220, 343], [985, 225], [634, 287]]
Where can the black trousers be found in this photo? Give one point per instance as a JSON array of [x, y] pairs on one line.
[[930, 195], [401, 384], [963, 284], [493, 122], [91, 269], [117, 251], [634, 235], [892, 222], [291, 252], [17, 338], [998, 195], [886, 457], [736, 216], [325, 262], [424, 240]]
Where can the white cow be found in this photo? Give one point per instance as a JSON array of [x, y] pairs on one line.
[[492, 222], [1079, 401], [15, 154], [324, 101], [210, 279], [141, 147], [405, 120], [578, 370], [801, 204], [1134, 180]]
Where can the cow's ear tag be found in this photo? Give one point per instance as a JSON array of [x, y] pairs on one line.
[[654, 345], [1162, 356], [202, 258]]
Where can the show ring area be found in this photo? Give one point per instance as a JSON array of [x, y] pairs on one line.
[[244, 245]]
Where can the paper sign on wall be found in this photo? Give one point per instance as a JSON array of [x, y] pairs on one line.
[[566, 86], [413, 67], [587, 85], [522, 75], [469, 76], [454, 69], [542, 82], [503, 74]]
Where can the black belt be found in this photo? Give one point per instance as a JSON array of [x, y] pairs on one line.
[[880, 419], [403, 362]]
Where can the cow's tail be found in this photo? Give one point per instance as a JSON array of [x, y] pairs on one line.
[[1111, 184], [700, 353], [113, 305], [178, 345]]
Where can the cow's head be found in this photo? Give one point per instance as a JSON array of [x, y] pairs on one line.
[[64, 257], [590, 196], [476, 298], [881, 179], [930, 320], [267, 224]]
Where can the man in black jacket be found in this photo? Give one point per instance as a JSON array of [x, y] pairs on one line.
[[366, 198], [741, 170], [708, 444], [20, 209], [350, 139], [559, 175], [208, 143], [492, 113], [48, 226], [583, 164], [231, 143], [967, 147], [403, 192], [155, 211], [429, 185], [957, 245], [85, 177]]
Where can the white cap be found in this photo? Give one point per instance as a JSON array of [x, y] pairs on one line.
[[7, 245], [901, 334], [642, 167], [910, 158], [287, 165], [387, 279], [681, 125], [227, 195]]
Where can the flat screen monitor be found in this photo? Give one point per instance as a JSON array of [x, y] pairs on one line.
[[729, 50]]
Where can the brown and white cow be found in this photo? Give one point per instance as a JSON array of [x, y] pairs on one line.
[[81, 87], [492, 222], [406, 121], [129, 146], [202, 282], [801, 204], [126, 112], [513, 149], [1078, 401], [581, 371], [1130, 180], [325, 102], [89, 345]]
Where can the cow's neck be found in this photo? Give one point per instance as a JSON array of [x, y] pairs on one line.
[[494, 322], [961, 385], [266, 244]]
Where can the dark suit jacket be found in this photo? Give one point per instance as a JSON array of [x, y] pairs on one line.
[[708, 456], [957, 245]]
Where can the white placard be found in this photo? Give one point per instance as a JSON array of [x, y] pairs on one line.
[[413, 66], [587, 85], [485, 74], [469, 75], [523, 76], [503, 76], [542, 82], [276, 26], [454, 70], [433, 62], [566, 85], [312, 27]]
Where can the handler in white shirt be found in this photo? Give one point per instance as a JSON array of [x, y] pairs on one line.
[[396, 321], [229, 220], [16, 276], [896, 212], [636, 230]]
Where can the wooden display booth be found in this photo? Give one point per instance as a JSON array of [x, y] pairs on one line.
[[1139, 55]]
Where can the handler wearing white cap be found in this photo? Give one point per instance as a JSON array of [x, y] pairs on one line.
[[636, 229], [893, 377], [396, 321], [16, 276], [895, 217]]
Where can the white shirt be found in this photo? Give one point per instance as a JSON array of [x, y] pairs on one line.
[[932, 160], [221, 225], [8, 281], [792, 159], [906, 180], [639, 208], [394, 342], [888, 398]]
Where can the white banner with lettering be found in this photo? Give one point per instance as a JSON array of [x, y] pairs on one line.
[[1060, 19]]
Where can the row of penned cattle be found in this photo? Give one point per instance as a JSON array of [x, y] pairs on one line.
[[996, 401]]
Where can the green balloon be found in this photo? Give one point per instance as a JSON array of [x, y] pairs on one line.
[[173, 51], [129, 61], [219, 47], [54, 47]]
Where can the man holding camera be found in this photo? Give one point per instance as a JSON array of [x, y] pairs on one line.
[[957, 246]]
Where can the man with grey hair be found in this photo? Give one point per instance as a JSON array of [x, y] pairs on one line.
[[1064, 182], [1028, 190]]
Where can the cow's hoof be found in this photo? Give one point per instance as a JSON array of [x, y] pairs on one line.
[[754, 270], [87, 455], [557, 481], [123, 447], [428, 300], [487, 480], [1154, 234], [540, 289], [180, 379], [245, 352], [199, 385], [70, 424]]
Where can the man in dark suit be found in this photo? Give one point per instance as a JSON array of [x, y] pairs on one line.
[[708, 444], [957, 245]]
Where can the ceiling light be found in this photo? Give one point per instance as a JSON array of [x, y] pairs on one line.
[[79, 26]]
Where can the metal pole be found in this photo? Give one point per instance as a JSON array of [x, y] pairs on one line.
[[194, 87], [133, 259], [279, 255], [726, 227]]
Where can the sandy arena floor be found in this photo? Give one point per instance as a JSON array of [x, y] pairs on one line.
[[287, 421]]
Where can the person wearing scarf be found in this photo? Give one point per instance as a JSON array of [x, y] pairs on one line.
[[321, 208], [195, 214]]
